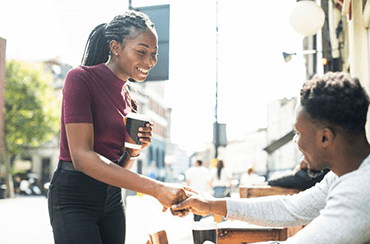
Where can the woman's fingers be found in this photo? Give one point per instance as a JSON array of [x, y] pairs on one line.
[[145, 134], [188, 189]]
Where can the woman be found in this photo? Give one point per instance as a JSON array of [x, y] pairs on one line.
[[85, 204], [220, 180]]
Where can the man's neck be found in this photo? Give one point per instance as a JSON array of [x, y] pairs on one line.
[[350, 156]]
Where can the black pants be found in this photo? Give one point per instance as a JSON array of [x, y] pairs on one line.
[[84, 210]]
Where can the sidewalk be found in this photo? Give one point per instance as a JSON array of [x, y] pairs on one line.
[[144, 215], [25, 219]]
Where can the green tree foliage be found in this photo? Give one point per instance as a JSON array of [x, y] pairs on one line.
[[31, 109], [31, 112]]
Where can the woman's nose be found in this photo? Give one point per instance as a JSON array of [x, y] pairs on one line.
[[151, 61]]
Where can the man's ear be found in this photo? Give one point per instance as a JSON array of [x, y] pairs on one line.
[[327, 136]]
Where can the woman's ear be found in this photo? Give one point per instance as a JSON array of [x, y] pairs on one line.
[[114, 47]]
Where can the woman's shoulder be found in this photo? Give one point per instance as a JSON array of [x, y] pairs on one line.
[[78, 78], [82, 74], [75, 73], [81, 70]]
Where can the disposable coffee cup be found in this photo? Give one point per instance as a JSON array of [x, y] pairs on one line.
[[204, 231], [133, 121]]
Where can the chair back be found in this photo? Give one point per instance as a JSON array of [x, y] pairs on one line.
[[263, 191], [159, 237]]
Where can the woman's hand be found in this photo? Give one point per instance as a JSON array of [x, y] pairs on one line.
[[145, 134], [169, 194]]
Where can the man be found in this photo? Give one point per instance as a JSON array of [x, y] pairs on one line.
[[250, 178], [302, 178], [330, 133], [198, 178]]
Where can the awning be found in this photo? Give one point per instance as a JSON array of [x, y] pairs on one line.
[[279, 143]]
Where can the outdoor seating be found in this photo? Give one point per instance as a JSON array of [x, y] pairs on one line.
[[159, 237], [263, 191], [240, 232]]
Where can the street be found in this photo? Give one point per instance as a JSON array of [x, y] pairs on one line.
[[25, 220]]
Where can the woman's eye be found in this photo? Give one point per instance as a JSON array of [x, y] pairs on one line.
[[154, 55], [141, 52]]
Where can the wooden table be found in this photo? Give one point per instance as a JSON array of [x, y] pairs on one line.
[[263, 191], [241, 233]]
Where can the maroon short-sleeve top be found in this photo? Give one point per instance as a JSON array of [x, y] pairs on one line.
[[95, 95]]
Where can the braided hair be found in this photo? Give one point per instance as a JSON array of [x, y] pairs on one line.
[[122, 27]]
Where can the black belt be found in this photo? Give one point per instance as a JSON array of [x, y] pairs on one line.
[[68, 165]]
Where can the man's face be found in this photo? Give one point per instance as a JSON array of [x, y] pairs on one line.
[[308, 139]]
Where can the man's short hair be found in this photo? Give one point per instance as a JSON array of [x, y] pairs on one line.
[[199, 162], [336, 98]]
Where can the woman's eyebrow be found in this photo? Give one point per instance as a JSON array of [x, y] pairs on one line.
[[145, 45]]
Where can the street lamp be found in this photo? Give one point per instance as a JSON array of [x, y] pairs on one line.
[[307, 17], [216, 126], [288, 56]]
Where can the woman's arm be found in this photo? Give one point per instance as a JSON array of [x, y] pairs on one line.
[[80, 138]]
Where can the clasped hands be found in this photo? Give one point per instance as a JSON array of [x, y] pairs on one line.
[[183, 201]]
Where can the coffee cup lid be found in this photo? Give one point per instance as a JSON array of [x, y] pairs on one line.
[[204, 225], [138, 116]]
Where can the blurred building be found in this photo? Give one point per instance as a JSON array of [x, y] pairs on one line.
[[177, 162], [150, 97], [2, 103], [240, 155], [268, 149], [282, 151]]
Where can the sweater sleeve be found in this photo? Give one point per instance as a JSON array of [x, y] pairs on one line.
[[346, 216], [338, 211], [292, 210]]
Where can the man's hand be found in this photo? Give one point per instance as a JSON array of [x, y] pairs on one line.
[[169, 194], [194, 203], [200, 206]]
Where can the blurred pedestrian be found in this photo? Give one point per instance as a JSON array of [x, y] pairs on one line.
[[221, 180], [24, 188], [250, 178], [152, 170], [85, 202], [198, 178], [17, 183]]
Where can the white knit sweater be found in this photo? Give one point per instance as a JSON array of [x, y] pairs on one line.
[[336, 210]]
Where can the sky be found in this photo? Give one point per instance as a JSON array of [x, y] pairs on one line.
[[251, 71]]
